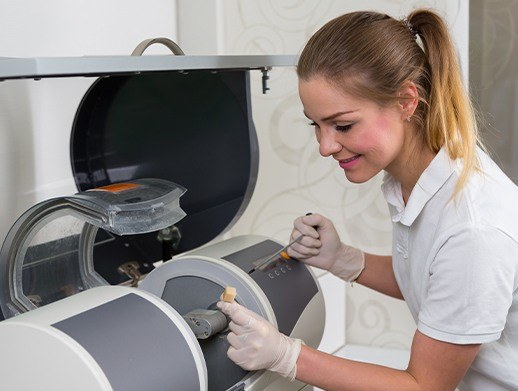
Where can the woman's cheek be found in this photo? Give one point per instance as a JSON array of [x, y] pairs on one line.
[[363, 144]]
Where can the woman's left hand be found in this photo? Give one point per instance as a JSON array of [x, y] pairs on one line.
[[257, 344]]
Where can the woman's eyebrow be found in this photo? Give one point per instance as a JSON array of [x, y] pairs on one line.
[[333, 116]]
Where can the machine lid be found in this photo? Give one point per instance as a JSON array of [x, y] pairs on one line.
[[48, 253], [194, 128]]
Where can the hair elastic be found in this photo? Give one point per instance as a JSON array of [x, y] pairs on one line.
[[410, 28]]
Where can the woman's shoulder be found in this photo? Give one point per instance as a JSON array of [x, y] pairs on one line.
[[488, 199], [491, 187]]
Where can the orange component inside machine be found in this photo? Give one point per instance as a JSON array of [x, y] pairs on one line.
[[116, 187], [285, 255]]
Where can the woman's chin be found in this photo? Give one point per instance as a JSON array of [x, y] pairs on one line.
[[357, 178]]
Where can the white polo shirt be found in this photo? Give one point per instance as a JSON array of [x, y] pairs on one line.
[[456, 263]]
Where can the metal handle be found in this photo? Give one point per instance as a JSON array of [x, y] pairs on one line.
[[139, 50]]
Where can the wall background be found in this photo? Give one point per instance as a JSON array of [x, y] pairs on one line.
[[35, 121], [493, 42]]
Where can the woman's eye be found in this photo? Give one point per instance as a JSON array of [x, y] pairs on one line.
[[339, 128], [343, 128]]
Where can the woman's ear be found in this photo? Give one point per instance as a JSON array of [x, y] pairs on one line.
[[408, 100]]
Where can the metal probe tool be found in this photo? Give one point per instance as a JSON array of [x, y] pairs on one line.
[[282, 250], [274, 256]]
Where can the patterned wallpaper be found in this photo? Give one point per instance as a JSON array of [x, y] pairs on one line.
[[294, 178]]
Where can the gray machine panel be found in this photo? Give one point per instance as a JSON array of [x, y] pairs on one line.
[[288, 284], [187, 293], [113, 334]]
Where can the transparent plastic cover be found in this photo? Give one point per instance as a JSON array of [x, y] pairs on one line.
[[48, 253], [135, 207]]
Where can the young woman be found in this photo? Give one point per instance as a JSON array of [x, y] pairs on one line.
[[387, 95]]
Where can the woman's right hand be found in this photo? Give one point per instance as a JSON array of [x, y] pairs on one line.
[[320, 244], [321, 247]]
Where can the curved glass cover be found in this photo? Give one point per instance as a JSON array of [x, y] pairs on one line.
[[48, 253]]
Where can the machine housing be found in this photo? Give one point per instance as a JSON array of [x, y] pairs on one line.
[[184, 121]]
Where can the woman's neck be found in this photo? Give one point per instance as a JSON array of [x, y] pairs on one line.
[[408, 168]]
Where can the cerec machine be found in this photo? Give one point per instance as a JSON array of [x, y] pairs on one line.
[[87, 302]]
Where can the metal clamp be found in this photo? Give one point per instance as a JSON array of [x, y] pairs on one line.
[[266, 76], [131, 270]]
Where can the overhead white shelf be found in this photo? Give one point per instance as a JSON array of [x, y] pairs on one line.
[[45, 67]]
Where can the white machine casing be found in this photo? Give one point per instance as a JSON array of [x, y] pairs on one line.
[[72, 319], [87, 342]]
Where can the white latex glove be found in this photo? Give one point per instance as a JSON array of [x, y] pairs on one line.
[[256, 344], [321, 247]]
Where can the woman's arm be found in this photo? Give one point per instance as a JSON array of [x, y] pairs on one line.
[[434, 365], [257, 344], [378, 275]]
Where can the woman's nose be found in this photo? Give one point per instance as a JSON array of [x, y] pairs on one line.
[[328, 143]]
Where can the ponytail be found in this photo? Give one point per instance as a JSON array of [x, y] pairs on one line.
[[450, 119]]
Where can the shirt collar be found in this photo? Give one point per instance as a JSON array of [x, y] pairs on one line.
[[430, 181]]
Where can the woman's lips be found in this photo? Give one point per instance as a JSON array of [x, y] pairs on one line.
[[348, 163]]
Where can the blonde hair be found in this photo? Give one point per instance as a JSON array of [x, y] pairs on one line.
[[372, 55]]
